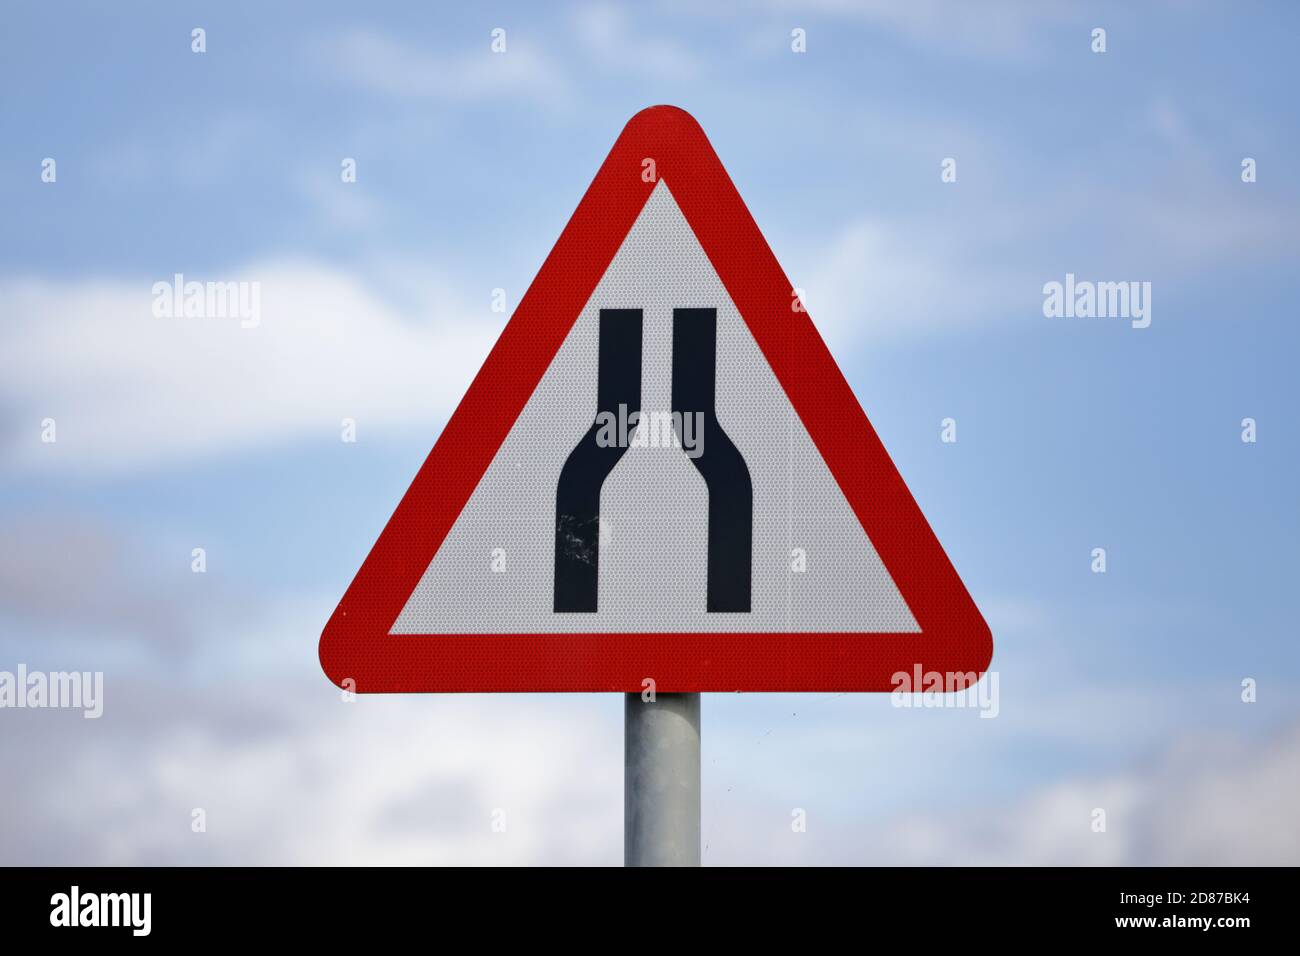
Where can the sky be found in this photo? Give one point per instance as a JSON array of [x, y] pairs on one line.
[[1120, 691]]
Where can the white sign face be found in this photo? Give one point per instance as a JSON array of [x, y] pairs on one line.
[[553, 542]]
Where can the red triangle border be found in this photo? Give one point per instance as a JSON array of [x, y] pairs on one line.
[[356, 650]]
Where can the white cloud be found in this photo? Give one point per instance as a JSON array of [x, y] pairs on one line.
[[879, 280], [1208, 801], [993, 29], [128, 389], [873, 282], [292, 774], [289, 773], [612, 41], [386, 65]]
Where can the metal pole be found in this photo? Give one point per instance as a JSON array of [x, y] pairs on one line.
[[661, 780]]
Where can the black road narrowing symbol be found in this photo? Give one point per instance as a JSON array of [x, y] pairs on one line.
[[731, 494], [720, 464], [577, 494]]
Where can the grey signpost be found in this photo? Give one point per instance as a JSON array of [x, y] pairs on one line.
[[661, 780]]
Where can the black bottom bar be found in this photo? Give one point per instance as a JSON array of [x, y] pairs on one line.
[[965, 907]]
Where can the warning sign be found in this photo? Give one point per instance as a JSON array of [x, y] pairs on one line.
[[659, 472]]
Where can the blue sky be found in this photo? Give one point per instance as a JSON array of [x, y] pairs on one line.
[[1118, 690]]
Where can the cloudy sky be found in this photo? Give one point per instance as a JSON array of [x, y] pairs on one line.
[[1120, 691]]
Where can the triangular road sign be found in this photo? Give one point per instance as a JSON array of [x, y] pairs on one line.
[[747, 532]]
